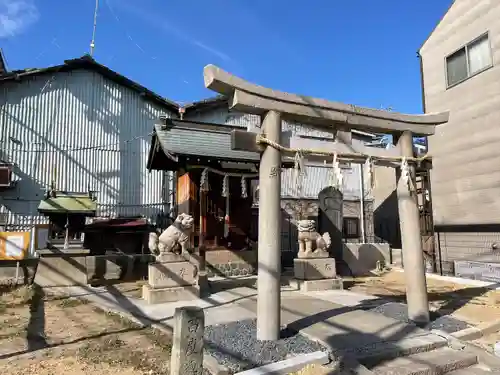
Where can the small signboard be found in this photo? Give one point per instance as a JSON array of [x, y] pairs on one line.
[[14, 245], [478, 270], [42, 232]]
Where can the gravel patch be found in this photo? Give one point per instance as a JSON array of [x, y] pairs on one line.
[[399, 311], [448, 324], [394, 310], [235, 345]]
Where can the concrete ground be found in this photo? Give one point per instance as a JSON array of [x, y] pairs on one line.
[[334, 318]]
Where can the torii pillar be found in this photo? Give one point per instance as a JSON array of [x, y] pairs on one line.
[[409, 221], [269, 242], [273, 107]]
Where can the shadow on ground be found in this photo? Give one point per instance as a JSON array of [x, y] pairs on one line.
[[451, 301], [454, 300]]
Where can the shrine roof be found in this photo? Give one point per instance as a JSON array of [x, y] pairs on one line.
[[176, 142]]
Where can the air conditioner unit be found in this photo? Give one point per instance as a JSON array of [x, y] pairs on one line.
[[6, 175]]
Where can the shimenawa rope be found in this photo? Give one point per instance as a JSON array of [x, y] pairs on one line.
[[344, 156]]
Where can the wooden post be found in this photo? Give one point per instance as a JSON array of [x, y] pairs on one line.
[[66, 233], [186, 198], [187, 348], [201, 253], [414, 268], [269, 248], [203, 228]]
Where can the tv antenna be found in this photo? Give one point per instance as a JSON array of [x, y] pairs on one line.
[[92, 43]]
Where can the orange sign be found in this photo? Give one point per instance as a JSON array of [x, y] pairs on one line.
[[14, 245]]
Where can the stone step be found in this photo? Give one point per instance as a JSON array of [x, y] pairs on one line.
[[474, 370], [435, 362], [372, 355]]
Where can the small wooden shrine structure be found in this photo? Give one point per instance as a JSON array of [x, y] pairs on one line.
[[213, 181]]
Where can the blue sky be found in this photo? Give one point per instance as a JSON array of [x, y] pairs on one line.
[[356, 51]]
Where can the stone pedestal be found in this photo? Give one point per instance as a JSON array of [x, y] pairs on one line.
[[171, 278], [312, 274]]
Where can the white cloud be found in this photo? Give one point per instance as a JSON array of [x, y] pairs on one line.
[[159, 21], [16, 16]]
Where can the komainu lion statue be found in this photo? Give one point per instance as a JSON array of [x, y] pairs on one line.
[[311, 243], [174, 239]]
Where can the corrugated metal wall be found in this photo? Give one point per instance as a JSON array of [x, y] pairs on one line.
[[84, 132], [223, 116], [318, 176]]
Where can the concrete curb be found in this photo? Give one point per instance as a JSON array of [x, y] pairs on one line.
[[484, 357], [211, 364], [474, 333], [347, 361], [467, 334], [457, 280], [289, 365]]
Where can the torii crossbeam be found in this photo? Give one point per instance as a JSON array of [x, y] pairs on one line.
[[274, 106]]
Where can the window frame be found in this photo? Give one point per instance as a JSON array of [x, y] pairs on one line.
[[465, 46], [357, 220]]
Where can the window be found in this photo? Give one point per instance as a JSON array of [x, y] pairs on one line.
[[468, 60], [350, 227]]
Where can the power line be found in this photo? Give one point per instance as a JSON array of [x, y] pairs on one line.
[[85, 148], [128, 35]]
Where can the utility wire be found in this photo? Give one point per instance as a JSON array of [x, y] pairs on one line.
[[129, 36], [84, 148]]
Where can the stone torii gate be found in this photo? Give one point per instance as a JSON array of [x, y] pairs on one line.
[[273, 107]]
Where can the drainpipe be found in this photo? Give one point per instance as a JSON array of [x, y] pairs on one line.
[[424, 109], [362, 203], [422, 89]]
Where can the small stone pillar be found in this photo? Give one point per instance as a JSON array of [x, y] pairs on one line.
[[313, 268], [187, 349], [172, 277]]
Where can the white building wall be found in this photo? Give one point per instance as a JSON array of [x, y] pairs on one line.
[[84, 132]]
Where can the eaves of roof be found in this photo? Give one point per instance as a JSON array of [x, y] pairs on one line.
[[88, 63], [206, 104]]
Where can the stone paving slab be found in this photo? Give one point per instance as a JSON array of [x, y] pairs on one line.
[[347, 329], [344, 297]]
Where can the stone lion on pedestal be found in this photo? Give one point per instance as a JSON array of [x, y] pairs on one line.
[[311, 243], [174, 239]]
